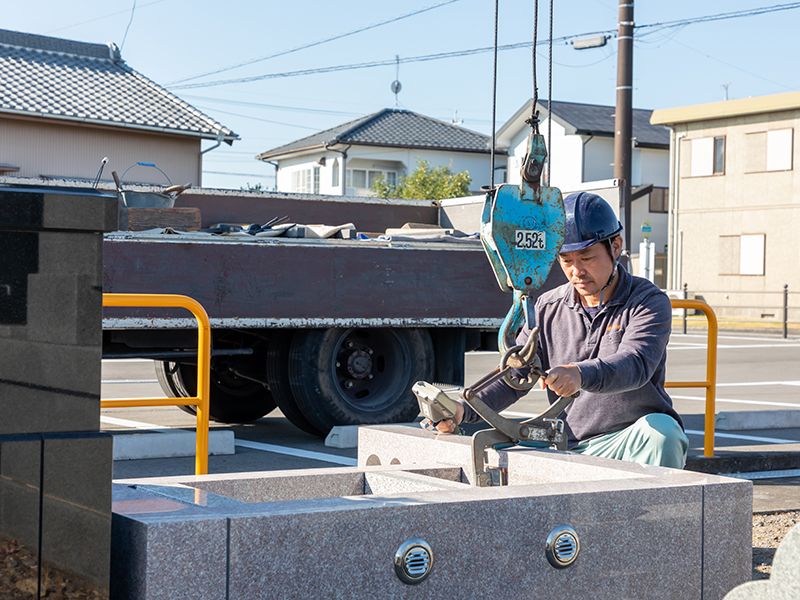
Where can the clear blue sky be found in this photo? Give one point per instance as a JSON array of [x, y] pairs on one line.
[[171, 40]]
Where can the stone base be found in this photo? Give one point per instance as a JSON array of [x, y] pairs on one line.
[[644, 532]]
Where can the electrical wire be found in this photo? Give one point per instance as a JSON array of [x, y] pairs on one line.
[[114, 14], [216, 110], [474, 51], [124, 37], [317, 43], [316, 111]]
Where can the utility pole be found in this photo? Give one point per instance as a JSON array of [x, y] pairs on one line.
[[623, 115]]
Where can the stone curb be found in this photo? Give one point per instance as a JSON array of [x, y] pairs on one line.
[[744, 462]]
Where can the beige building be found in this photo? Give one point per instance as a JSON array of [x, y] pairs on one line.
[[734, 202], [66, 105]]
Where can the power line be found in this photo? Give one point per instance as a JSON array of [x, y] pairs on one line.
[[317, 43], [269, 176], [474, 51], [224, 112], [124, 37], [114, 14], [319, 111], [722, 16]]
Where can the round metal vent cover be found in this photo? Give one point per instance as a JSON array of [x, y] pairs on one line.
[[562, 547], [413, 561]]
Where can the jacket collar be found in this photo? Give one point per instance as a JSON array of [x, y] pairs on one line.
[[572, 299]]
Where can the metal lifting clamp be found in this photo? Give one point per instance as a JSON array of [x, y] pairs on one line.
[[522, 231]]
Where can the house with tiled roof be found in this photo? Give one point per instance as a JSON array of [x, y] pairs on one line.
[[65, 105], [581, 152], [346, 159]]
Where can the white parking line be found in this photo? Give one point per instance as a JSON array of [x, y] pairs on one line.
[[112, 381], [132, 424], [127, 360], [765, 474], [749, 438], [750, 383], [732, 401], [322, 456]]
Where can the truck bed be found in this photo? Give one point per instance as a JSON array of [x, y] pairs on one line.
[[259, 283]]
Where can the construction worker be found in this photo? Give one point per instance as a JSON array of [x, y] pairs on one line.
[[605, 333]]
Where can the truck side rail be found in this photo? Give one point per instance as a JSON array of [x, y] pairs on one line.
[[201, 401], [710, 384]]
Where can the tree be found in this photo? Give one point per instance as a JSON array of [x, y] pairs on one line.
[[426, 183]]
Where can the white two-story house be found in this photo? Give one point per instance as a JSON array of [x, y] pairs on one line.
[[345, 160]]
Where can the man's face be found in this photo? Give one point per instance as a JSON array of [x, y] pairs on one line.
[[588, 270]]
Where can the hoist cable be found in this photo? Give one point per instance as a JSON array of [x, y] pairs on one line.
[[550, 97], [533, 59], [494, 93]]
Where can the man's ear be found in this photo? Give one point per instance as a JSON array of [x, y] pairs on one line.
[[616, 245]]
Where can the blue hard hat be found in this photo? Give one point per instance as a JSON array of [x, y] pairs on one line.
[[590, 219]]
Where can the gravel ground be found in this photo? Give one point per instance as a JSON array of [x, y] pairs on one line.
[[768, 531]]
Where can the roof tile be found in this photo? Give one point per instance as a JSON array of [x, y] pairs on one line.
[[68, 79], [392, 128]]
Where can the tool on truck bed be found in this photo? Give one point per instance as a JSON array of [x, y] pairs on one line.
[[522, 231]]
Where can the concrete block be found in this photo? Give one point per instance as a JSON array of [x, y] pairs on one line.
[[756, 419], [132, 446], [343, 436]]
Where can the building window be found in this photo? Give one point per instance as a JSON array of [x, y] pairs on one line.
[[659, 200], [364, 178], [316, 180], [719, 155], [708, 156], [742, 254], [769, 151], [302, 181], [335, 174]]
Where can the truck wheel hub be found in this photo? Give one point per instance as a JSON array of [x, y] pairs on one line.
[[359, 364]]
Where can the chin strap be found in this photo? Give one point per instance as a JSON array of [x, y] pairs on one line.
[[613, 271]]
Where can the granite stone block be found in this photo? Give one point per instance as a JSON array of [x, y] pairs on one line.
[[20, 497], [727, 536], [166, 550], [77, 498], [644, 532]]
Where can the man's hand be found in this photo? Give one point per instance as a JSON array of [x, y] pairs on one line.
[[564, 380], [448, 426]]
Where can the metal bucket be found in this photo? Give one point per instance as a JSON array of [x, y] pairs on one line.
[[145, 200]]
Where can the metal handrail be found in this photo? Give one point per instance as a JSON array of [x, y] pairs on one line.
[[200, 401], [784, 308], [710, 384]]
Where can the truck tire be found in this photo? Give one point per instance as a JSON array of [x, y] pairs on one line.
[[278, 377], [232, 399], [359, 376]]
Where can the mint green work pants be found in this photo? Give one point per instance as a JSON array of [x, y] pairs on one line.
[[655, 439]]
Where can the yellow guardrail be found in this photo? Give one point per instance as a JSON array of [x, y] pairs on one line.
[[710, 384], [203, 365]]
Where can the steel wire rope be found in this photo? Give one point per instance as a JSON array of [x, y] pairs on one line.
[[533, 59], [549, 96], [494, 95]]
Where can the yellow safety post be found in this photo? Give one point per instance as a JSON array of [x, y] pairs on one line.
[[711, 371], [203, 365]]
